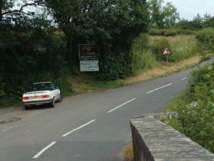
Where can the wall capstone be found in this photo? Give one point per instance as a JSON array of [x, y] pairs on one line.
[[155, 141]]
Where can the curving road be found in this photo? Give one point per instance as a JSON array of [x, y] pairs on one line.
[[87, 127]]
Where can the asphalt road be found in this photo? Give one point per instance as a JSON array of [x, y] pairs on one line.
[[87, 127]]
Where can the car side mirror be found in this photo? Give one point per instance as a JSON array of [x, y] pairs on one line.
[[57, 87]]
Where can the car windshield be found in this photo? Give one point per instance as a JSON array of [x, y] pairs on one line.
[[41, 86]]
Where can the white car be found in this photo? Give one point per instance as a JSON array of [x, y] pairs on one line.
[[42, 93]]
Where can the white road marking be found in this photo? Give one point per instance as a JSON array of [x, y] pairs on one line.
[[159, 88], [43, 150], [121, 105], [78, 128], [184, 78], [7, 129]]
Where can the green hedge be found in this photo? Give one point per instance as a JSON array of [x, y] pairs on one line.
[[205, 39], [162, 32], [196, 120]]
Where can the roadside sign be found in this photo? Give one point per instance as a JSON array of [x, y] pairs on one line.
[[88, 52], [89, 58], [166, 51], [89, 65]]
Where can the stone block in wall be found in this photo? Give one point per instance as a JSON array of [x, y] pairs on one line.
[[153, 140]]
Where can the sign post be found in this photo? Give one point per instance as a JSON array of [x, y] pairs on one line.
[[166, 52], [89, 59]]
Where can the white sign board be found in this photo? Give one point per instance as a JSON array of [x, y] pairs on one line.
[[89, 65]]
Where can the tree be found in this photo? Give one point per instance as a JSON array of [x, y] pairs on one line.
[[162, 16], [198, 19], [209, 22], [206, 17], [93, 21], [29, 48], [183, 24], [170, 15], [11, 10], [155, 8], [4, 5]]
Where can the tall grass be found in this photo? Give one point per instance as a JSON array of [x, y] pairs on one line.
[[147, 50], [183, 47], [143, 58]]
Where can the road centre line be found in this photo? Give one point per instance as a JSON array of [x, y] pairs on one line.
[[121, 105], [184, 78], [78, 128], [5, 130], [159, 88], [43, 150]]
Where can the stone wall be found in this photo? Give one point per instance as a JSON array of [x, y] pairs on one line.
[[155, 141]]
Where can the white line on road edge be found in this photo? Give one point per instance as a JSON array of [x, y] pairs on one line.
[[121, 105], [43, 150], [78, 128], [184, 78], [159, 88]]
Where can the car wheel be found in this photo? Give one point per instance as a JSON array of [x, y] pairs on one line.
[[52, 104], [27, 107], [60, 98]]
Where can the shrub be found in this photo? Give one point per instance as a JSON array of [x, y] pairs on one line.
[[156, 32], [205, 41], [142, 57], [206, 35], [114, 66], [196, 120], [201, 75], [170, 32], [185, 32], [143, 60], [163, 32]]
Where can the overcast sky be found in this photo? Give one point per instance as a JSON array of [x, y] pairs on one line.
[[188, 9]]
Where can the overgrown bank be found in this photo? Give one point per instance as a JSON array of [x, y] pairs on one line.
[[146, 60], [195, 108], [147, 63]]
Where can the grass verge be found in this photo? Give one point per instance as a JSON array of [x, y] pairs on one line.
[[83, 83], [128, 154]]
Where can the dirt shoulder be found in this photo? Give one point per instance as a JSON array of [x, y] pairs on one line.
[[166, 69], [9, 114]]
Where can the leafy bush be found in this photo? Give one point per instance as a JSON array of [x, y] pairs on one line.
[[185, 32], [170, 32], [205, 38], [206, 35], [201, 75], [29, 55], [196, 120], [142, 57], [156, 32], [114, 66], [163, 32]]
